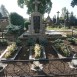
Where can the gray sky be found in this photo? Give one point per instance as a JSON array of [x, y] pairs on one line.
[[11, 6]]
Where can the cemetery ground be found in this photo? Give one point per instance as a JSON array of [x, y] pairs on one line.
[[52, 67]]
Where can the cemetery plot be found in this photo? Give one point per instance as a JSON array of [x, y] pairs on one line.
[[37, 54], [10, 52], [61, 48]]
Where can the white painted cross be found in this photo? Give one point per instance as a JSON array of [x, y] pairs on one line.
[[36, 2]]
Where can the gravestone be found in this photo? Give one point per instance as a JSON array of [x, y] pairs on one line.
[[36, 26], [36, 29], [58, 22]]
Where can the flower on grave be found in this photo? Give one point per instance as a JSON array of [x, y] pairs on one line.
[[10, 49], [7, 54], [37, 50]]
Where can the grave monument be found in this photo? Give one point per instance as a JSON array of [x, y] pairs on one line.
[[36, 21], [37, 29]]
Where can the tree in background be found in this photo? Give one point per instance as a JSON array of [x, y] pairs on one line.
[[44, 6], [4, 11], [72, 19], [16, 27], [16, 19], [0, 15], [73, 3], [63, 15]]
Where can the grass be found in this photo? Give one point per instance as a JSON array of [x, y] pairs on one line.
[[58, 28], [65, 30]]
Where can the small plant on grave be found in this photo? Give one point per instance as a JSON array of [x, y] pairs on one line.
[[10, 50], [65, 50], [72, 40], [44, 42], [58, 47], [62, 48], [30, 42], [58, 41], [18, 42]]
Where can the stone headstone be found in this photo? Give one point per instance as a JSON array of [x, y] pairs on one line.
[[36, 26], [36, 23], [36, 29]]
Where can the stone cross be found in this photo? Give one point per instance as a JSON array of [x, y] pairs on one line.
[[36, 2], [58, 14], [67, 19], [67, 13], [57, 17]]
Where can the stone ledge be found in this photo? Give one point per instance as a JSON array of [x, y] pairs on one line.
[[18, 50]]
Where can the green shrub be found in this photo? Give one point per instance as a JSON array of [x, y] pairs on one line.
[[26, 25], [30, 42], [65, 50], [58, 41], [72, 40], [44, 42], [3, 42], [61, 48], [18, 42]]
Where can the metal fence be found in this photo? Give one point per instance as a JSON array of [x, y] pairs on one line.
[[51, 68]]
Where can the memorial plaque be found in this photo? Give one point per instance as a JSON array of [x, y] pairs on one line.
[[36, 21]]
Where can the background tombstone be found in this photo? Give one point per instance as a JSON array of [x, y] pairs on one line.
[[67, 19], [58, 18]]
